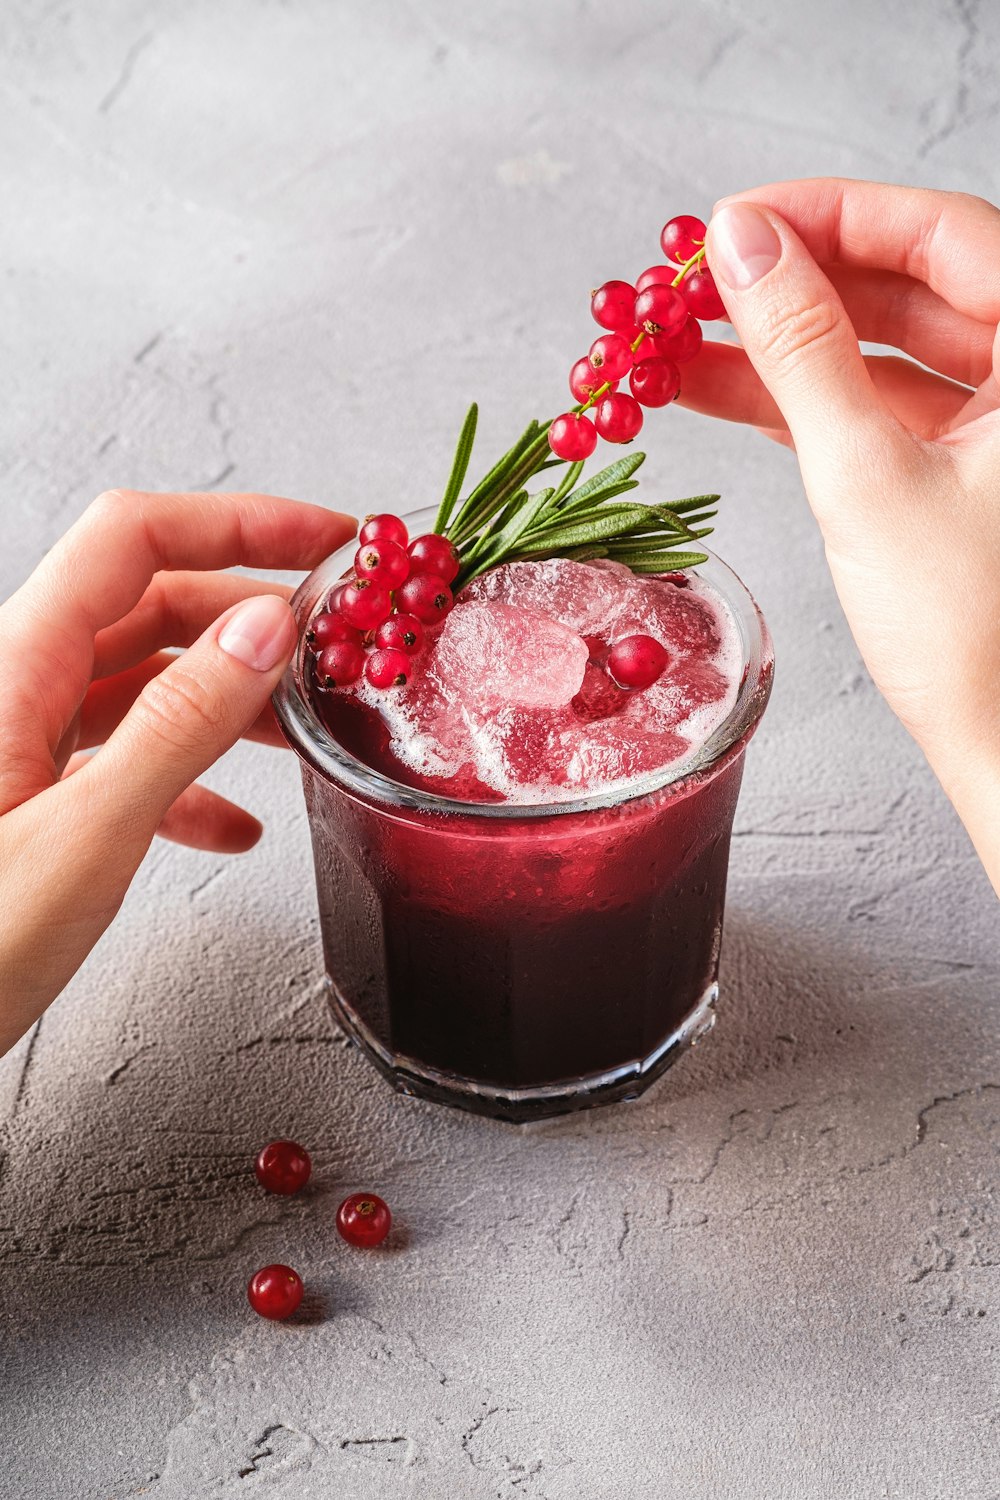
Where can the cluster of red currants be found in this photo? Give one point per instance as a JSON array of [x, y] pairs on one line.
[[374, 622], [653, 327], [362, 1219]]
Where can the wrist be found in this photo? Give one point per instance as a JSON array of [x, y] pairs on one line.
[[968, 769]]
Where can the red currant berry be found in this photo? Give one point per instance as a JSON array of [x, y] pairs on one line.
[[611, 356], [364, 1219], [400, 633], [365, 603], [584, 380], [383, 562], [388, 668], [572, 437], [656, 276], [702, 296], [660, 309], [682, 237], [683, 345], [637, 661], [283, 1167], [339, 665], [612, 303], [275, 1291], [655, 382], [435, 554], [334, 598], [329, 627], [425, 595], [384, 528], [619, 418]]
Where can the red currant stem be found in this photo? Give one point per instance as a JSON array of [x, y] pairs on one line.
[[594, 396], [639, 340], [695, 260]]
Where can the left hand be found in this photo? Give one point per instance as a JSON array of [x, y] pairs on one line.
[[85, 662]]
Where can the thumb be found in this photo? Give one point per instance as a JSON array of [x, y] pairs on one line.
[[799, 339], [183, 720]]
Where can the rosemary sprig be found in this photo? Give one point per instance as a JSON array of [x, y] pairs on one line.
[[500, 522]]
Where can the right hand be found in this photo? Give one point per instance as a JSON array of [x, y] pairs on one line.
[[900, 461]]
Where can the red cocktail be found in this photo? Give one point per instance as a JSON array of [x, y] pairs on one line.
[[522, 868]]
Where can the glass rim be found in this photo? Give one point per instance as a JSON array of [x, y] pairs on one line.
[[315, 745]]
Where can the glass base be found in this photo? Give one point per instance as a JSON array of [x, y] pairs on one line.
[[540, 1101]]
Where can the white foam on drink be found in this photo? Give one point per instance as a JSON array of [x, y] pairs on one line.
[[491, 692]]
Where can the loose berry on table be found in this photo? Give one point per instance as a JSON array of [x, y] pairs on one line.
[[619, 418], [364, 1219], [275, 1291], [384, 528], [403, 632], [682, 237], [388, 667], [435, 554], [611, 356], [339, 665], [425, 595], [637, 661], [655, 382], [382, 561], [572, 437], [283, 1167], [612, 303], [364, 604]]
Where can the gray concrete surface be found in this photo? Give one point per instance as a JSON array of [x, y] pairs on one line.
[[279, 246]]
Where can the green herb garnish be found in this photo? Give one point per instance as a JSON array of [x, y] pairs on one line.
[[500, 522]]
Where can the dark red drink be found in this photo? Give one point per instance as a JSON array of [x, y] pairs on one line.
[[525, 957]]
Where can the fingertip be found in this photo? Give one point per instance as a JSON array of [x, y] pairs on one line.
[[243, 835], [201, 819], [742, 245], [260, 632]]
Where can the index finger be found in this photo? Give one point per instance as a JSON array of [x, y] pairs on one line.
[[101, 568], [951, 241]]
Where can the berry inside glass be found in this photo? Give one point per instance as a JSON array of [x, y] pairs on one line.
[[521, 852]]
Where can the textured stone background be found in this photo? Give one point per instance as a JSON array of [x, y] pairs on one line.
[[279, 246]]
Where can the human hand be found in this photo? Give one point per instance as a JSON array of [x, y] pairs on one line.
[[85, 662], [901, 463]]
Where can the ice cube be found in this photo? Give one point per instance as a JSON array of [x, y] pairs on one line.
[[583, 597], [518, 751], [599, 697], [598, 755], [498, 655], [681, 619]]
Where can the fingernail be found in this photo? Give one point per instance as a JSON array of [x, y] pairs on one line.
[[259, 633], [743, 246]]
